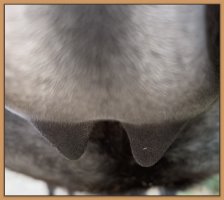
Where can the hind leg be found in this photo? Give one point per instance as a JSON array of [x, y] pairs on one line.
[[51, 189], [167, 192], [70, 192]]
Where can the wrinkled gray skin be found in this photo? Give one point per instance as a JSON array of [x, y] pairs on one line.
[[96, 79], [191, 158]]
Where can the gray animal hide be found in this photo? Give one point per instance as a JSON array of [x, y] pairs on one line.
[[134, 77], [107, 166]]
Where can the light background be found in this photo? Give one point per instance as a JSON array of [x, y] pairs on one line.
[[19, 184]]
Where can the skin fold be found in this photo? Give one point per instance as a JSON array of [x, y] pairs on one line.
[[107, 166]]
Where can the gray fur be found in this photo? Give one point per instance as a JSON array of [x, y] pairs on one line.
[[144, 69], [193, 156], [99, 62]]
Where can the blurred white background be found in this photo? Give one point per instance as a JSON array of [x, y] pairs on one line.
[[19, 184]]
